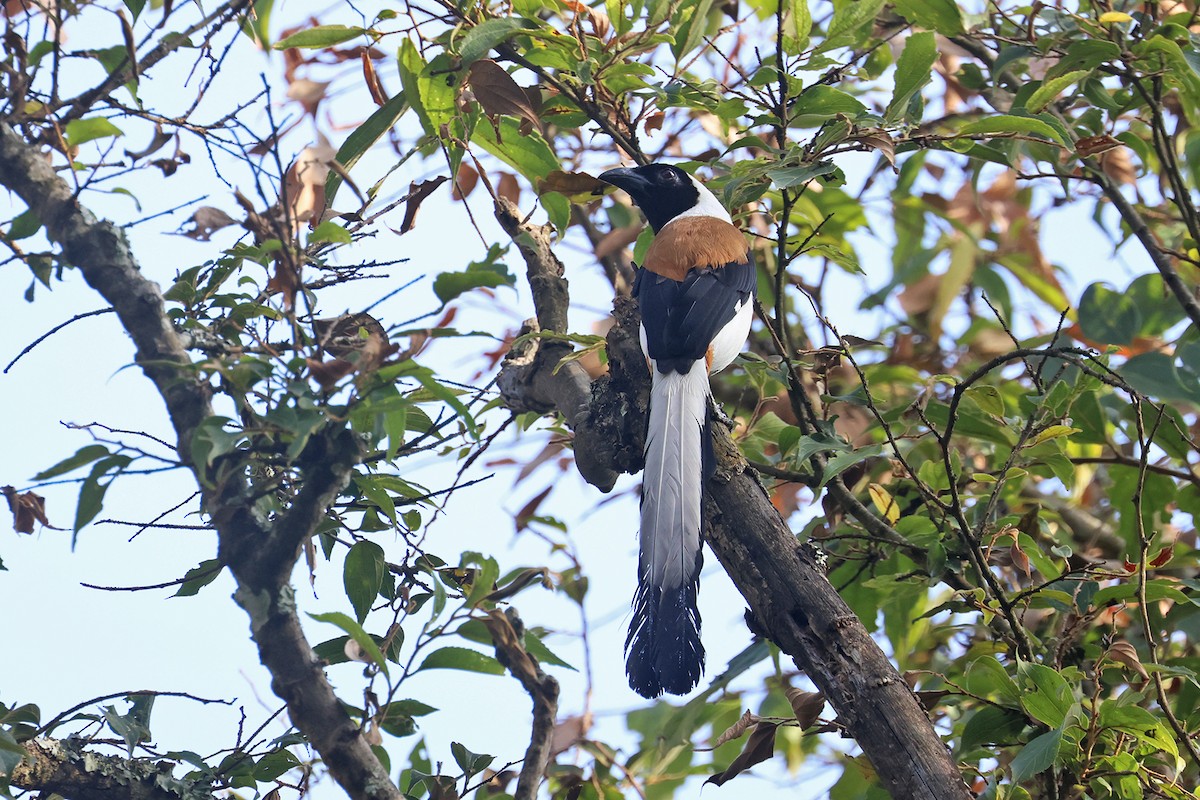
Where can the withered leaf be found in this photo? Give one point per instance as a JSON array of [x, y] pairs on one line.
[[654, 122], [374, 86], [497, 93], [417, 192], [204, 222], [601, 24], [760, 746], [308, 93], [157, 142], [508, 188], [571, 183], [27, 508], [878, 139], [807, 706], [1091, 145], [305, 181], [464, 182], [734, 731], [328, 373], [1125, 653]]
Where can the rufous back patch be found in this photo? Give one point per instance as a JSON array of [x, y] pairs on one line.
[[690, 242]]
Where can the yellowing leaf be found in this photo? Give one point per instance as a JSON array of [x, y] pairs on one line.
[[884, 503], [1109, 17], [1053, 432]]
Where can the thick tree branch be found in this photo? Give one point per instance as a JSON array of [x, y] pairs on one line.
[[507, 632], [65, 767], [535, 378], [260, 555]]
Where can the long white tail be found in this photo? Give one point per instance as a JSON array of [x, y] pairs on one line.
[[663, 648]]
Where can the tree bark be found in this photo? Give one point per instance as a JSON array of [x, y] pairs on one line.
[[64, 767]]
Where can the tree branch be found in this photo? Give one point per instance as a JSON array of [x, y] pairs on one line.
[[260, 556], [65, 767]]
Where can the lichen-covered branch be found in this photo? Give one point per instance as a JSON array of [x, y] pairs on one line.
[[65, 767]]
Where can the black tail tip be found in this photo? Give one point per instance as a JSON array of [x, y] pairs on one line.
[[663, 650]]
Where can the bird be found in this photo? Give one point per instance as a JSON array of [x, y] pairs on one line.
[[695, 290]]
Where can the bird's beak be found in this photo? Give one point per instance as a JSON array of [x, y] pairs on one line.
[[629, 180]]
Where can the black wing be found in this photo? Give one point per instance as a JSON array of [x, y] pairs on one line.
[[682, 318]]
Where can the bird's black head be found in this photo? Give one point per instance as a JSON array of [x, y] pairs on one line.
[[661, 191]]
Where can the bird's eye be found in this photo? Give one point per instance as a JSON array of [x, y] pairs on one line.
[[670, 176]]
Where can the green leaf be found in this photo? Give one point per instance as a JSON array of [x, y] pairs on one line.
[[382, 120], [986, 677], [1051, 698], [819, 103], [1008, 123], [943, 16], [992, 725], [449, 285], [330, 231], [362, 575], [471, 763], [480, 40], [843, 461], [1155, 375], [92, 490], [84, 455], [1154, 301], [527, 153], [355, 631], [198, 577], [848, 17], [537, 648], [1037, 756], [1051, 88], [462, 658], [1108, 316], [319, 37], [25, 225], [85, 130], [914, 69]]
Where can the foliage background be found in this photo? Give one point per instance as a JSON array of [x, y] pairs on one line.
[[958, 229]]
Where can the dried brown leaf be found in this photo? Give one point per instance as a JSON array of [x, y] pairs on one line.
[[735, 731], [464, 182], [508, 188], [760, 746], [1125, 653], [27, 508], [654, 122], [157, 142], [1093, 145], [308, 93], [807, 706], [204, 222], [600, 23], [497, 93], [417, 192], [571, 184], [371, 78], [878, 139]]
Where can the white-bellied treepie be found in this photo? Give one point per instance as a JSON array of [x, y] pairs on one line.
[[694, 290]]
